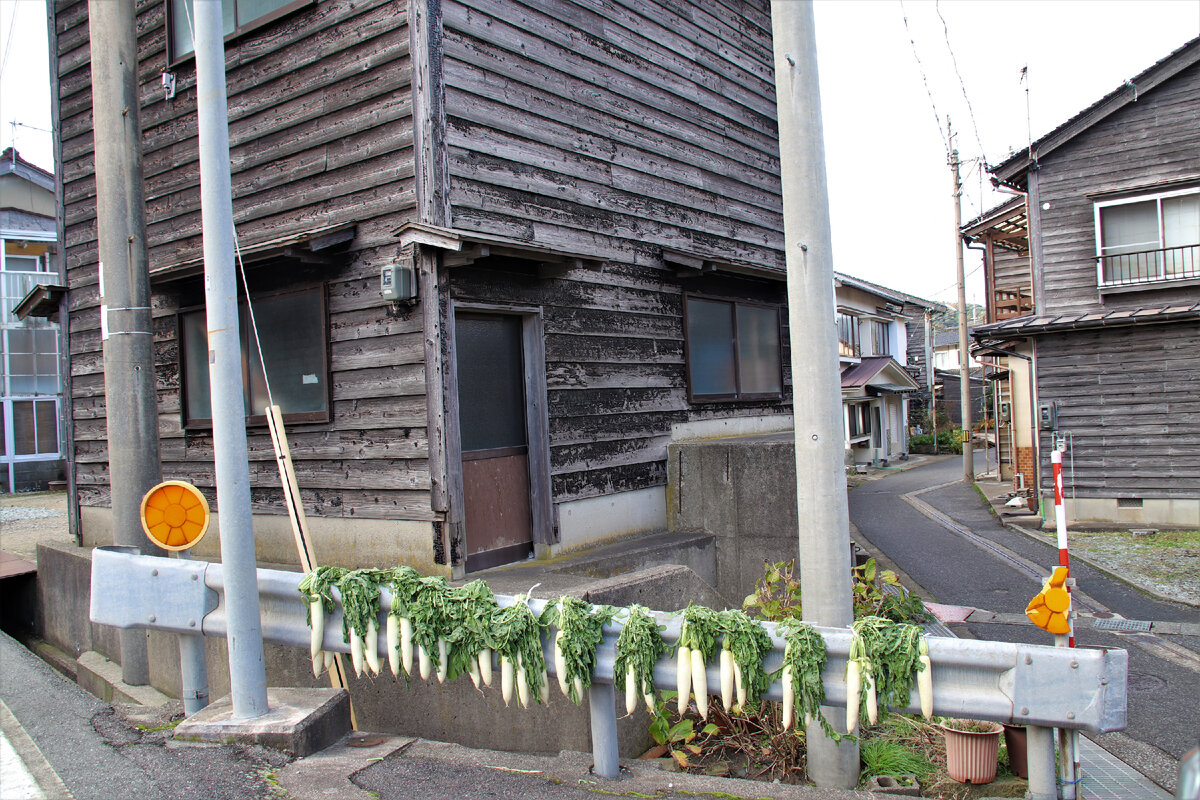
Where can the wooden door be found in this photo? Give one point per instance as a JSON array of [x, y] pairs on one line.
[[495, 443]]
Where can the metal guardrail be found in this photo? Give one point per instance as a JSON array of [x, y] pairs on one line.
[[1033, 685]]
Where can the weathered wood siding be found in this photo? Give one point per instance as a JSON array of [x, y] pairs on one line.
[[1130, 398], [615, 370], [1153, 140], [320, 135], [615, 129]]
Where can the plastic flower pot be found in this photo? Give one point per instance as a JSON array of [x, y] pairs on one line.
[[971, 750], [1014, 742]]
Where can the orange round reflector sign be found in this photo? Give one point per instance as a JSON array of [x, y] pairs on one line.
[[174, 515]]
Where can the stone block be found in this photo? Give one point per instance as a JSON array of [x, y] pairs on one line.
[[298, 721]]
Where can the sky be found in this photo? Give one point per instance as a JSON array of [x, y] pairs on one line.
[[887, 89]]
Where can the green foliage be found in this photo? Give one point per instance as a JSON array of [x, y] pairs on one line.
[[640, 645], [893, 652], [700, 629], [319, 584], [749, 644], [886, 757], [516, 631], [469, 610], [805, 655], [948, 441], [360, 600], [776, 595], [879, 593], [582, 626], [679, 738]]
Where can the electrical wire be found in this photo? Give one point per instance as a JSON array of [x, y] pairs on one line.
[[924, 79], [970, 110], [12, 26]]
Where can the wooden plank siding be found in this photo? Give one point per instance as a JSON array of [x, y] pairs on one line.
[[1129, 397], [615, 373], [613, 129], [1152, 141], [320, 114]]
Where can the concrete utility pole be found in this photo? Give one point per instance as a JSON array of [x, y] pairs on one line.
[[247, 668], [131, 408], [964, 358], [816, 390]]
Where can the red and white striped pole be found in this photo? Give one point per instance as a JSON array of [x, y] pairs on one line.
[[1060, 520], [1067, 738]]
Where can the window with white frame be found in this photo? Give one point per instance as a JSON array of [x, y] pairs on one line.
[[847, 325], [1149, 238], [879, 337]]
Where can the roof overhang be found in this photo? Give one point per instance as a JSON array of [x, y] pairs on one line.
[[1032, 325], [40, 301], [315, 246]]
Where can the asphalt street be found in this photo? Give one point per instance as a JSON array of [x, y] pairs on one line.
[[1164, 670]]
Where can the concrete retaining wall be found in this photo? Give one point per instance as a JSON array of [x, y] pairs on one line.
[[742, 491]]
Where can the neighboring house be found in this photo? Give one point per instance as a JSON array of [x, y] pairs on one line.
[[946, 353], [873, 344], [30, 455], [586, 197], [1112, 231]]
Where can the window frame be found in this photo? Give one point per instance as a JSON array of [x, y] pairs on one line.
[[844, 318], [174, 59], [737, 396], [1157, 197], [256, 420]]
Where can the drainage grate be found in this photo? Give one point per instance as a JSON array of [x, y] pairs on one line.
[[1121, 625]]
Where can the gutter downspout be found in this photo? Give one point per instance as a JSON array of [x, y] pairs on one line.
[[1037, 444]]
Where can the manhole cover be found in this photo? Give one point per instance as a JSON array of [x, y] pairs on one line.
[[1121, 625], [1144, 683]]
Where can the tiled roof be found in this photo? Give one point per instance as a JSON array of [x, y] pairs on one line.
[[1031, 324]]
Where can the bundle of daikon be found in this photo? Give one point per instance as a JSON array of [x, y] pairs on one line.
[[580, 630]]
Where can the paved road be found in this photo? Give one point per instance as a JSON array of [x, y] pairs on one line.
[[1164, 671]]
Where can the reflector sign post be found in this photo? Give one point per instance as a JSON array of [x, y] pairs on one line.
[[175, 515]]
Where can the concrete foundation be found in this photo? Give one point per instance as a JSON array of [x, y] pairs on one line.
[[1177, 512], [300, 721]]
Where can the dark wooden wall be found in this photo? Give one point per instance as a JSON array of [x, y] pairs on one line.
[[320, 134], [1153, 140], [1130, 397], [615, 371], [614, 129]]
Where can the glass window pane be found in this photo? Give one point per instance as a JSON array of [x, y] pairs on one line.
[[1130, 227], [250, 10], [183, 22], [14, 263], [710, 347], [758, 350], [491, 382], [24, 428], [20, 340], [1181, 229], [194, 335], [292, 330], [47, 426]]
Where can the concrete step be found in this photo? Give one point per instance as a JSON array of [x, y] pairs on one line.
[[102, 678]]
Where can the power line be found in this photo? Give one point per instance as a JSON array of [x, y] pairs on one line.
[[12, 26], [936, 116], [946, 33]]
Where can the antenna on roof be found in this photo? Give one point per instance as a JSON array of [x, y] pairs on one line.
[[1028, 116]]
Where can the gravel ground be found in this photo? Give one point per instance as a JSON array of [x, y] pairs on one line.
[[1167, 563], [26, 519]]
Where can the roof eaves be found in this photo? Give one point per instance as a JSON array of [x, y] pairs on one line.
[[1011, 170]]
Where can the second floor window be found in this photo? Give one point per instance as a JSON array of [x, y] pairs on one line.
[[879, 338], [1149, 239], [847, 325]]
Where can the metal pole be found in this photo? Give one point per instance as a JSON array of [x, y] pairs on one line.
[[193, 664], [824, 535], [1066, 738], [603, 709], [964, 365], [1039, 748], [247, 671], [127, 339]]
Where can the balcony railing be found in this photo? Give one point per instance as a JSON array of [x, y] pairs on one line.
[[1150, 266]]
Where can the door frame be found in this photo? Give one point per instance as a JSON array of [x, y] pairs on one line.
[[537, 419]]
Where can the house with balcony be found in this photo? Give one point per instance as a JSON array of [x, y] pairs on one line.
[[877, 326], [1093, 276], [30, 387]]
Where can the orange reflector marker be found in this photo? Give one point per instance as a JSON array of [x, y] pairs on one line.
[[1051, 607], [175, 515]]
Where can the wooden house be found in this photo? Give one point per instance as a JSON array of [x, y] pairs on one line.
[[575, 205], [1094, 285]]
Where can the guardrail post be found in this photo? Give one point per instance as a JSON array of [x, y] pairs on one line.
[[1039, 744], [193, 673], [603, 708]]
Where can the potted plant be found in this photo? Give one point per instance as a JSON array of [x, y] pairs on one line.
[[971, 749]]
